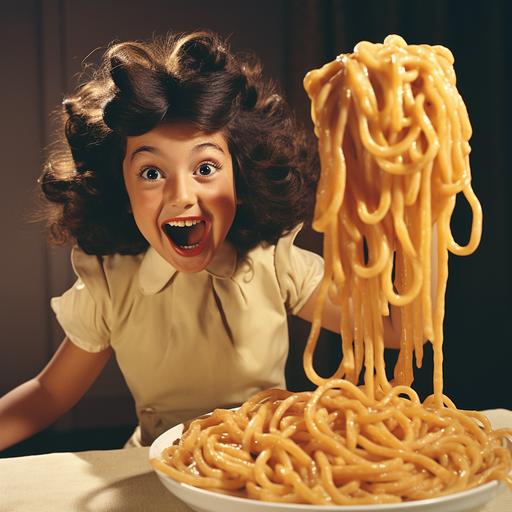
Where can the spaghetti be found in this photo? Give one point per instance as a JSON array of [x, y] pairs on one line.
[[393, 140]]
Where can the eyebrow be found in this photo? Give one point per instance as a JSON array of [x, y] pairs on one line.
[[195, 149]]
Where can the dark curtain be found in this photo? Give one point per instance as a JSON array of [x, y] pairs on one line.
[[477, 331]]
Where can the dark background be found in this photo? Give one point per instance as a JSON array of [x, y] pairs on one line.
[[44, 44]]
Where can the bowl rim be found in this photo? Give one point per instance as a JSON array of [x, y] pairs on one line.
[[167, 437]]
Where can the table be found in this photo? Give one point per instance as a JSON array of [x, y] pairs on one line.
[[95, 481], [116, 481]]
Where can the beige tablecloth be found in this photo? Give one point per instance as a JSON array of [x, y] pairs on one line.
[[115, 481]]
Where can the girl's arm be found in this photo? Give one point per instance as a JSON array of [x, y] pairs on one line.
[[37, 403], [331, 319], [392, 323]]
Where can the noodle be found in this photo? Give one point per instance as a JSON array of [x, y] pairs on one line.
[[393, 139]]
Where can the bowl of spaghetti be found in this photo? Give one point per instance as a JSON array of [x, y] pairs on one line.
[[394, 149], [210, 500]]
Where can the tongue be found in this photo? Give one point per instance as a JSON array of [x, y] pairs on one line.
[[195, 234], [189, 235]]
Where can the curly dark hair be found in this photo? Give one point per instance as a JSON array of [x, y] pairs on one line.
[[193, 78]]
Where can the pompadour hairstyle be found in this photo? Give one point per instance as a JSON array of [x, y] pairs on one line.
[[192, 78]]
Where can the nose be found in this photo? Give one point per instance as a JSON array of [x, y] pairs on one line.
[[180, 192]]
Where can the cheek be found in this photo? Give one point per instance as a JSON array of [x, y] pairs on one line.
[[223, 202], [226, 207], [145, 209], [145, 201]]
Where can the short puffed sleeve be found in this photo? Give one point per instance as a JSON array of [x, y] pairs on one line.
[[83, 311], [298, 271]]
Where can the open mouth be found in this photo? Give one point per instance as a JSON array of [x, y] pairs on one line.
[[187, 235]]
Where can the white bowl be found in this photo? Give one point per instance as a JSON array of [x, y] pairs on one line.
[[202, 500]]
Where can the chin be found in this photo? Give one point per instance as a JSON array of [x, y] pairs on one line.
[[190, 269], [190, 264]]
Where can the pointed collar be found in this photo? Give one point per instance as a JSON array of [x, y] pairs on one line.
[[155, 272]]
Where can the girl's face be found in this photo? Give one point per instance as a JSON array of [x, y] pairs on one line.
[[182, 194]]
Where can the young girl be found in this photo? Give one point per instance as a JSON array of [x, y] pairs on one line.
[[181, 185]]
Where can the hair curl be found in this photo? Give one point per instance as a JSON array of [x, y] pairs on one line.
[[192, 78]]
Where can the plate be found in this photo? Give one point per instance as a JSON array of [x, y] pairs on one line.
[[202, 500]]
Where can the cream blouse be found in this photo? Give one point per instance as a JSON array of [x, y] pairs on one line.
[[187, 343]]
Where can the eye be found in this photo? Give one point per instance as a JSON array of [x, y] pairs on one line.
[[206, 169], [151, 174]]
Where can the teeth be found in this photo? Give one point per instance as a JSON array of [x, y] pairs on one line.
[[183, 223], [193, 246]]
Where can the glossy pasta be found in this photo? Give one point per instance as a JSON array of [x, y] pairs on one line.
[[393, 137]]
